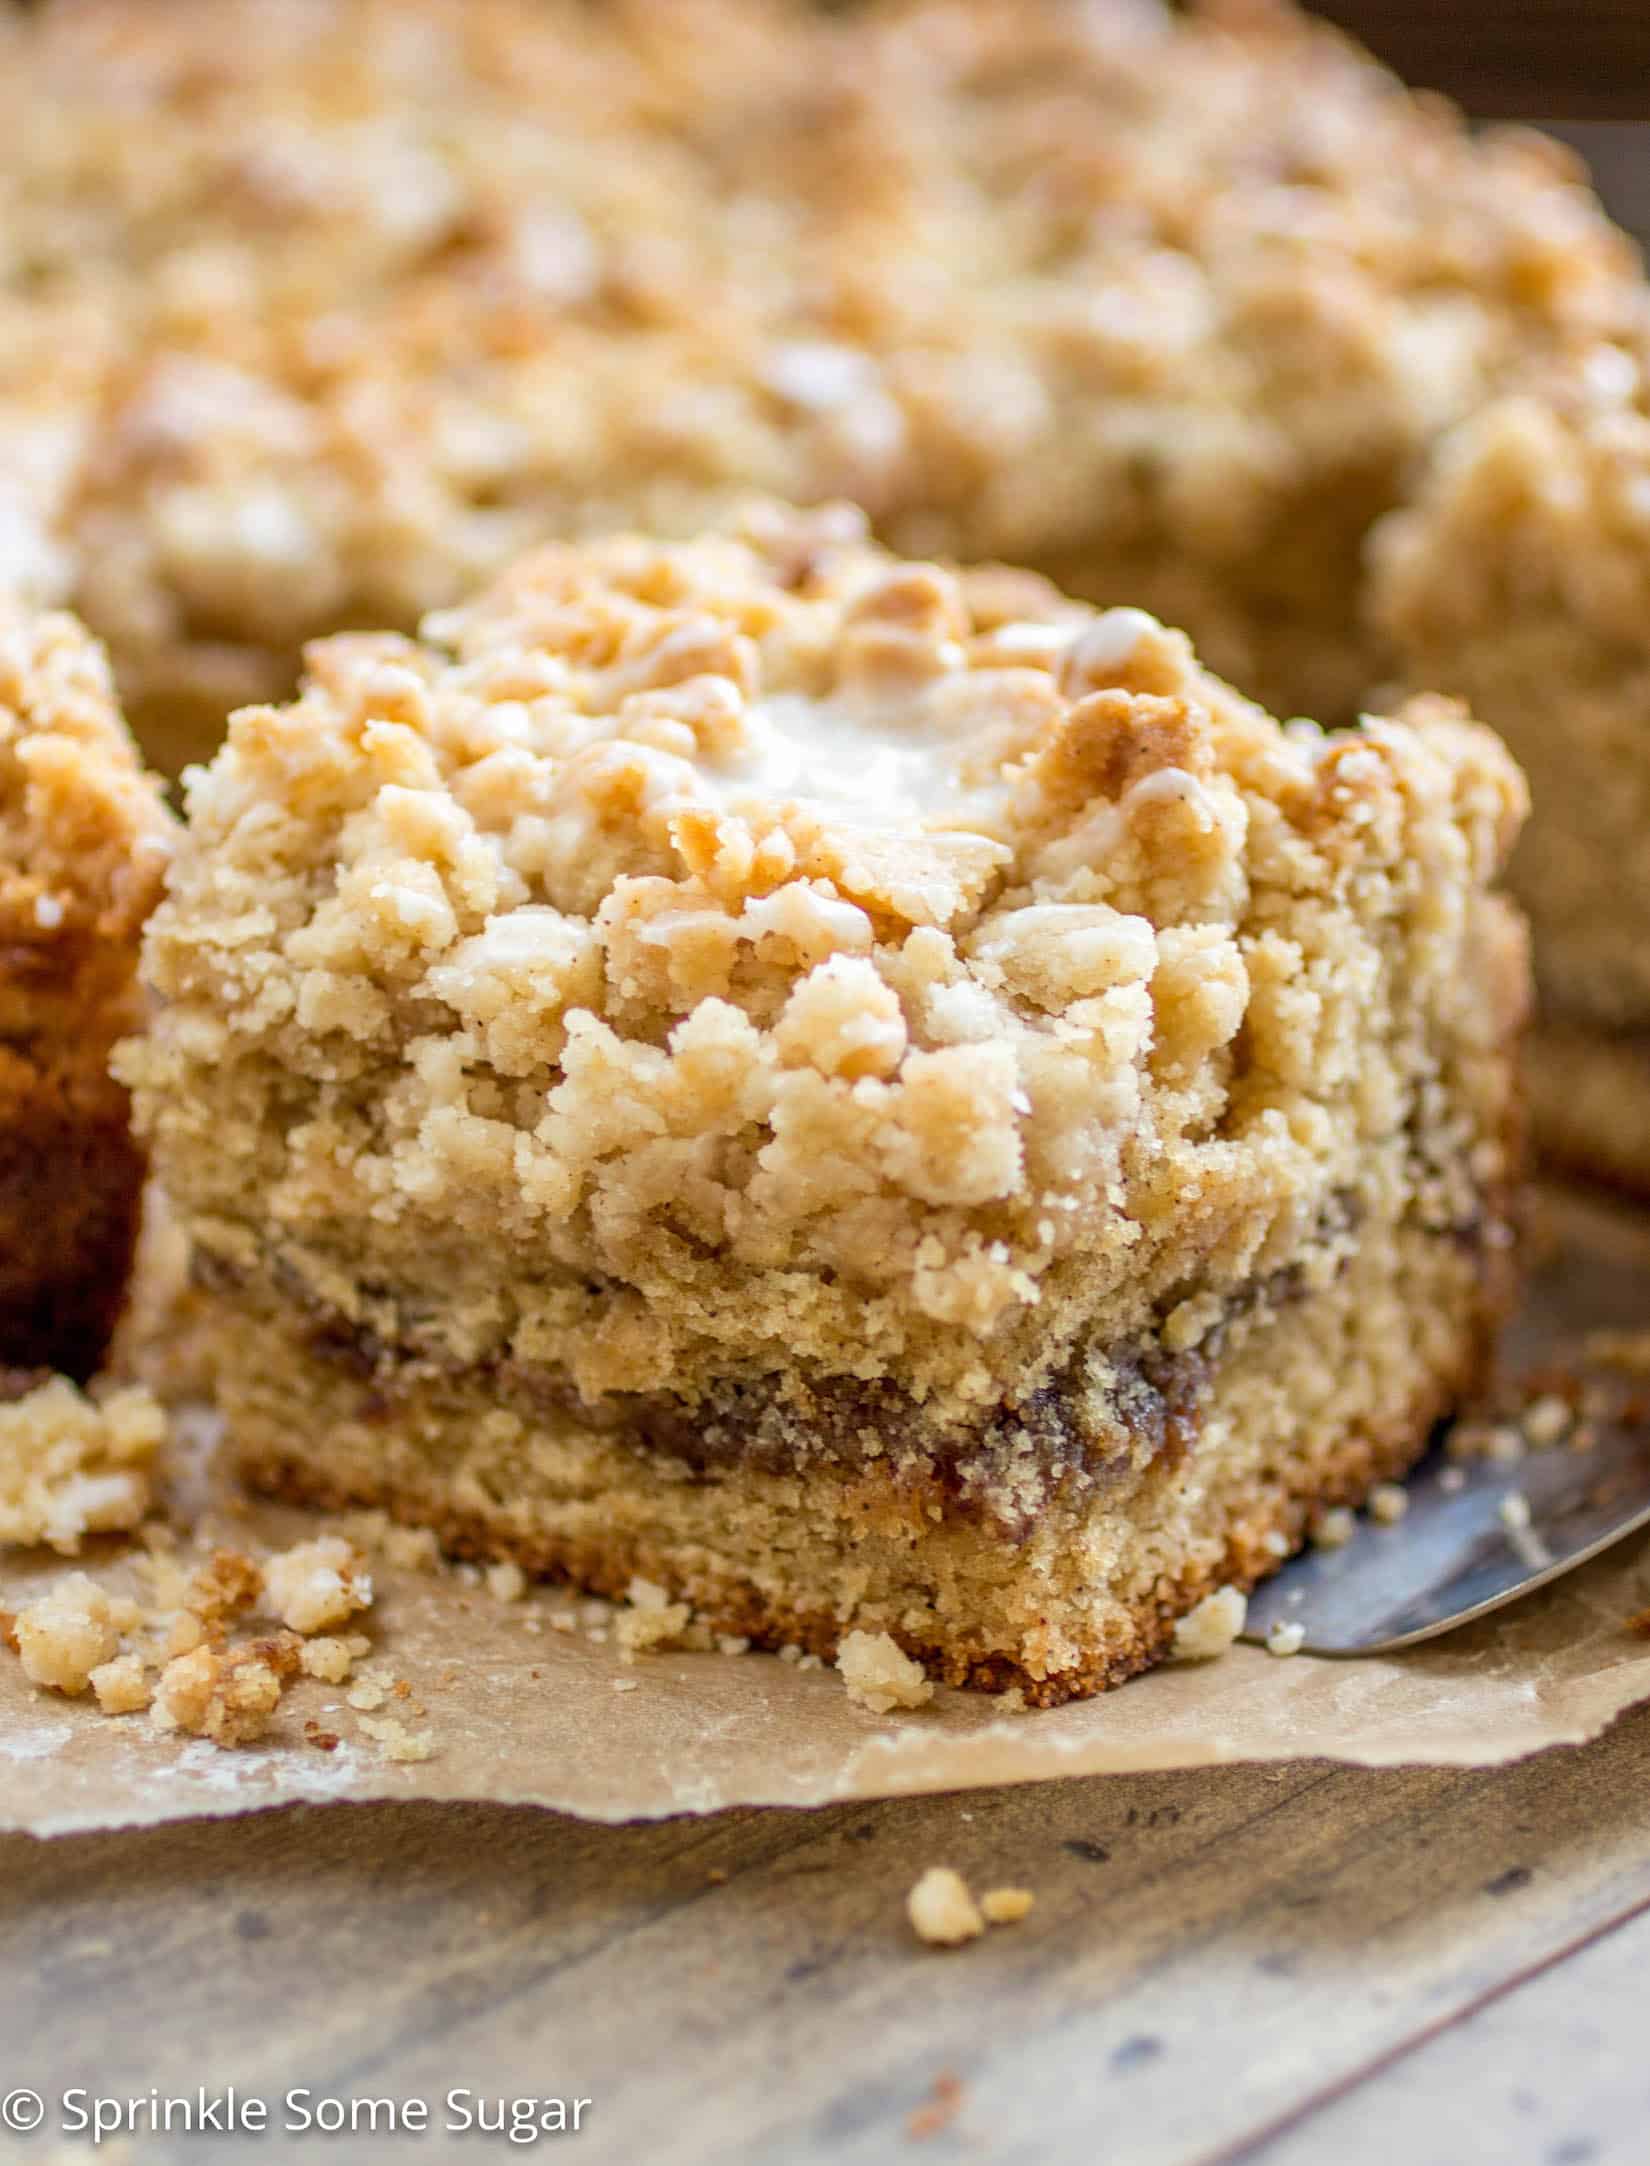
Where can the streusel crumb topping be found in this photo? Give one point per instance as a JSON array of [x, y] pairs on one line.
[[72, 1466], [317, 314], [83, 833], [761, 948]]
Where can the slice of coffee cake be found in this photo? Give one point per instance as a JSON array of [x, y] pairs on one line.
[[871, 1096], [83, 845]]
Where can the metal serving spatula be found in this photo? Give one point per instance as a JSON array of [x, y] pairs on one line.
[[1476, 1534], [1462, 1548]]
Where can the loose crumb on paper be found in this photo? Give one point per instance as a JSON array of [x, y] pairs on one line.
[[651, 1622], [1212, 1627], [317, 1584], [1285, 1638], [1334, 1528], [175, 1656], [879, 1675], [66, 1634], [397, 1741], [228, 1694]]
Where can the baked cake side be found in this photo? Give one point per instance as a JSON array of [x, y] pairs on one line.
[[84, 839], [366, 296], [1520, 580], [867, 1095]]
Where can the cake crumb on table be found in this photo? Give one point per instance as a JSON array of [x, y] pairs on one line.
[[412, 1549], [226, 1586], [1212, 1627], [326, 1658], [1006, 1906], [941, 1910], [879, 1674], [1285, 1638], [651, 1622]]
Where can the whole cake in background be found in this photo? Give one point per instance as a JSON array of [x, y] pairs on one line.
[[314, 313], [870, 1096], [1521, 580]]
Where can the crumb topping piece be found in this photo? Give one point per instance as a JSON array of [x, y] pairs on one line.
[[67, 1634], [316, 1584], [941, 1910], [879, 1675], [1212, 1627], [227, 1694], [72, 1466]]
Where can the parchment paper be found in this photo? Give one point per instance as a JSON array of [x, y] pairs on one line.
[[520, 1713]]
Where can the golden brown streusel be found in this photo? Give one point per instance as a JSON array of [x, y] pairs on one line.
[[72, 1466], [941, 1910], [227, 1694], [316, 1585], [122, 1685], [716, 1015], [1519, 578]]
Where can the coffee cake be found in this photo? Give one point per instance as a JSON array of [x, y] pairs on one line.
[[874, 1097], [83, 845]]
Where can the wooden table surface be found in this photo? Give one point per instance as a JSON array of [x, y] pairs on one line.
[[1288, 1966]]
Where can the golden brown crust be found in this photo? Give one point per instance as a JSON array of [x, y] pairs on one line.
[[83, 845]]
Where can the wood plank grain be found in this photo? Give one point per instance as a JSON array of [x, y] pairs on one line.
[[1208, 1950], [1548, 2073]]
